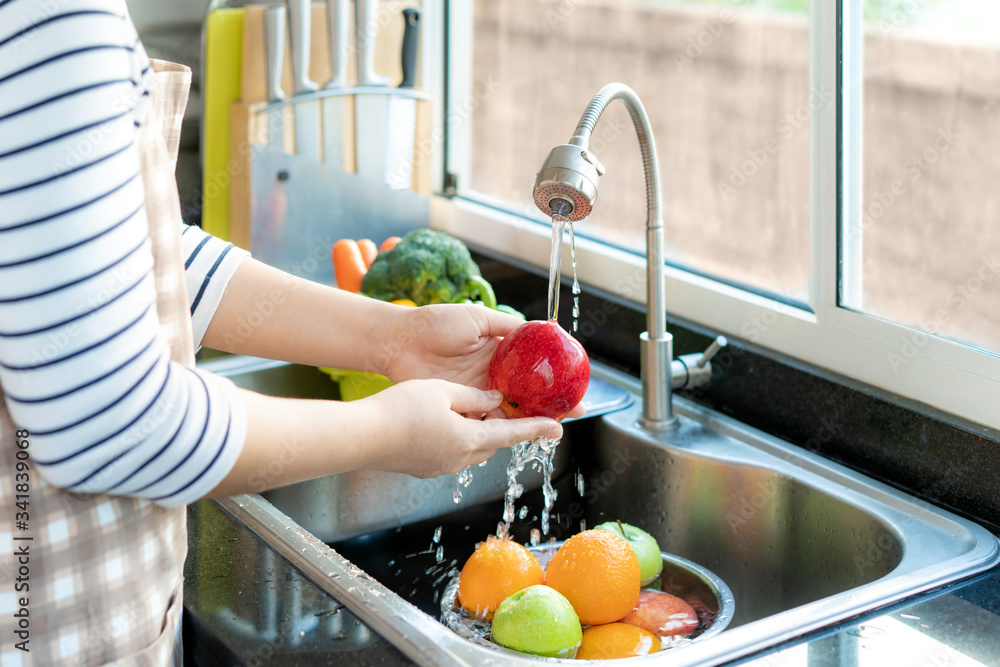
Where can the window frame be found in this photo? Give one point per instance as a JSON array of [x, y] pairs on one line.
[[950, 376]]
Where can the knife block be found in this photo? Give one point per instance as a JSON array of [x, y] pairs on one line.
[[249, 133]]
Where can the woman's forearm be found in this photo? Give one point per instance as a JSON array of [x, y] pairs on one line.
[[290, 440], [268, 313], [424, 428]]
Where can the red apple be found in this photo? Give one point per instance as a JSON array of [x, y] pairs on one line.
[[541, 370], [663, 614]]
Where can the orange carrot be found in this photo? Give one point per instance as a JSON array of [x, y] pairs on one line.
[[348, 265], [369, 251], [389, 243]]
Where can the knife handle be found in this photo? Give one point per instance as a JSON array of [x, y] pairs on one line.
[[337, 18], [411, 36], [299, 33], [366, 26], [274, 51]]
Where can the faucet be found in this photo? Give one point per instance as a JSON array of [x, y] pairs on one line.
[[566, 186]]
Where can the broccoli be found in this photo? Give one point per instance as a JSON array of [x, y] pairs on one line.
[[427, 267]]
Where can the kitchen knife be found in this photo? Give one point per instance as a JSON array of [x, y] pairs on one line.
[[401, 118], [306, 113], [369, 108], [274, 52], [337, 15]]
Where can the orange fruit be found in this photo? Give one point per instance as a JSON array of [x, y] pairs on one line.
[[616, 640], [598, 572], [496, 570]]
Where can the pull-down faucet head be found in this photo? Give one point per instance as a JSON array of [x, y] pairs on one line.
[[566, 185]]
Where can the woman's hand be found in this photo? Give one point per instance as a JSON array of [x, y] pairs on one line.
[[448, 342], [452, 342], [433, 427]]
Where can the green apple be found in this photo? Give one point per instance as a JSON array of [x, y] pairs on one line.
[[540, 621], [643, 544]]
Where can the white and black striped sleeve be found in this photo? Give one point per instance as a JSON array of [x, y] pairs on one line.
[[209, 263], [83, 363]]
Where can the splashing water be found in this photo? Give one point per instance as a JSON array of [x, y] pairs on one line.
[[542, 451], [523, 513], [462, 478]]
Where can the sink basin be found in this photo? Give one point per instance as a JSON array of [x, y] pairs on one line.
[[802, 542]]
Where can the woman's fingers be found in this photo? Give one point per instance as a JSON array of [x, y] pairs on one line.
[[466, 400], [498, 433], [496, 323], [494, 433]]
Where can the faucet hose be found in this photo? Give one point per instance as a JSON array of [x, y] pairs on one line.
[[644, 132], [655, 312]]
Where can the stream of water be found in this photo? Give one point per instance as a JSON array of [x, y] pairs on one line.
[[542, 451]]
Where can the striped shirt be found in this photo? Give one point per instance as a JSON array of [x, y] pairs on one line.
[[83, 364]]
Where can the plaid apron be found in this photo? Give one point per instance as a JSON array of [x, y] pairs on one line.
[[105, 573]]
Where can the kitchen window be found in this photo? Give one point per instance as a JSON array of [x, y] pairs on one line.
[[805, 211]]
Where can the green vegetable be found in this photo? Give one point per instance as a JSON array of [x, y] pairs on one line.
[[427, 267], [503, 308]]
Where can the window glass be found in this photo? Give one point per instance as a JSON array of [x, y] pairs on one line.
[[926, 242], [726, 85]]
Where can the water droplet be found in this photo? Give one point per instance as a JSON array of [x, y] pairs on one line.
[[523, 513], [458, 496], [437, 536], [439, 554], [536, 537]]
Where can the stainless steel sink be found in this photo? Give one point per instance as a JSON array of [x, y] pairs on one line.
[[801, 541]]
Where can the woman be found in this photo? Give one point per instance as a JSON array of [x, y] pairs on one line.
[[104, 294]]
